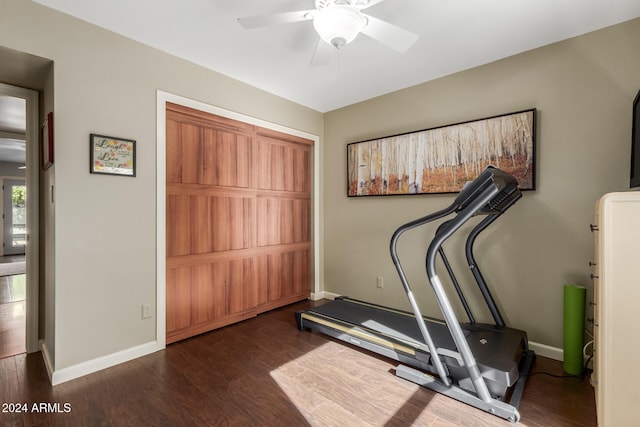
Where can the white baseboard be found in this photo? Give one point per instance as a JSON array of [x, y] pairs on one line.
[[547, 351], [90, 366], [323, 295]]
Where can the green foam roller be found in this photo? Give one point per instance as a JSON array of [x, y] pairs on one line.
[[573, 337]]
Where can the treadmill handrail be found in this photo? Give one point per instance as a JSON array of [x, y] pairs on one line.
[[470, 209], [456, 285], [428, 340], [473, 264]]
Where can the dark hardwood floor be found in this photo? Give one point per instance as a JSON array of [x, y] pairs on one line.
[[264, 372]]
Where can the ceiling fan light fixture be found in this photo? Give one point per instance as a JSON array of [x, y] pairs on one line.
[[338, 24]]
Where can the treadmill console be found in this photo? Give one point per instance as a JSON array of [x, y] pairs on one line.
[[506, 184]]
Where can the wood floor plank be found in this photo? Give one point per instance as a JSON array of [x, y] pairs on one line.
[[333, 414], [8, 369]]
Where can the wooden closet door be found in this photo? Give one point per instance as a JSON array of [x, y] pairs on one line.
[[238, 221]]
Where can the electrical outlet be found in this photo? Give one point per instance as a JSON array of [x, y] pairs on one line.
[[146, 311], [380, 282]]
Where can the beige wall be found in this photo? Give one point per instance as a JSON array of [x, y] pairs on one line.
[[582, 89], [105, 228]]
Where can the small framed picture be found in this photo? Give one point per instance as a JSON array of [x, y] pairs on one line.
[[112, 156]]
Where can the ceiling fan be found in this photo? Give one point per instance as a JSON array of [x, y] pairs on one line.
[[338, 22]]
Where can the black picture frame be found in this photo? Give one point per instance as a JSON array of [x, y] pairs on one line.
[[110, 155], [444, 157]]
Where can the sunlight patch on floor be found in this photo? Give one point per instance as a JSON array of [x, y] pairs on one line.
[[328, 388]]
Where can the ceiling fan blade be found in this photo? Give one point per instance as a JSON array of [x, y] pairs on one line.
[[391, 35], [371, 3], [322, 55], [251, 22]]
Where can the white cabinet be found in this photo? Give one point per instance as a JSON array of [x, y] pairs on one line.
[[616, 375]]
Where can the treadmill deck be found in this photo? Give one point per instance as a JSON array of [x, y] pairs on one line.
[[497, 350]]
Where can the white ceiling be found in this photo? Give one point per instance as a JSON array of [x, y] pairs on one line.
[[455, 35]]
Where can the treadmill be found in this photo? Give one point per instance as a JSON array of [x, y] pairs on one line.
[[476, 363]]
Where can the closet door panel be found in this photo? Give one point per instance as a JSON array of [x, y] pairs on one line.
[[238, 220]]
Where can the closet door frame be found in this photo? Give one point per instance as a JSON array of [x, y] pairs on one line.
[[161, 99]]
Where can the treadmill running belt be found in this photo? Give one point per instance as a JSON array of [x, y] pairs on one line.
[[393, 324]]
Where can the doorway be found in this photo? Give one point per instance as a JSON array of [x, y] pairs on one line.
[[19, 261]]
